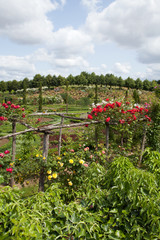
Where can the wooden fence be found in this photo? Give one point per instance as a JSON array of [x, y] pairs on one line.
[[47, 130]]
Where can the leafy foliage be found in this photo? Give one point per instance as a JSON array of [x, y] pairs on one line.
[[120, 202]]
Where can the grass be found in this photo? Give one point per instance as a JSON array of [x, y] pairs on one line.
[[29, 191]]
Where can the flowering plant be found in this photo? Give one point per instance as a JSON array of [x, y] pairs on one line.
[[114, 112], [10, 111], [124, 118], [6, 167]]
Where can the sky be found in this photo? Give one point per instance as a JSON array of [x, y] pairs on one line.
[[63, 37]]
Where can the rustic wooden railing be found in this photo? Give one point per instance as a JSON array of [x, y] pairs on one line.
[[47, 130]]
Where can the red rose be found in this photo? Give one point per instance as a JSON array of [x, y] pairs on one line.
[[118, 104], [9, 170], [7, 151], [134, 117], [108, 119], [90, 116]]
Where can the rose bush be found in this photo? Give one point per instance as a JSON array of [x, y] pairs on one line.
[[10, 111], [124, 119], [6, 167]]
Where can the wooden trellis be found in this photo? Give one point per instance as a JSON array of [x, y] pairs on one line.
[[47, 130]]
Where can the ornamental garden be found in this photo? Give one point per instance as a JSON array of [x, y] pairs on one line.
[[81, 175]]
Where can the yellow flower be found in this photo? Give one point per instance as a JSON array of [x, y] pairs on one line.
[[61, 164], [58, 158], [67, 179], [64, 153], [70, 183], [71, 161], [37, 155], [49, 172], [54, 175], [81, 161], [20, 159], [40, 155], [49, 177], [11, 164], [44, 158]]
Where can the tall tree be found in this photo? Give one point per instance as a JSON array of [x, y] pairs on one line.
[[25, 91], [48, 81], [40, 96], [146, 85], [138, 84], [3, 86], [37, 78], [71, 79], [129, 83], [120, 82], [60, 80]]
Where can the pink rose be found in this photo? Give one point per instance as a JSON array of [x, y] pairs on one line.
[[7, 151], [85, 164], [9, 170]]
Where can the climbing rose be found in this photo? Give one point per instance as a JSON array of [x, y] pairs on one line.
[[7, 151], [118, 104], [9, 170], [108, 119], [90, 116], [85, 165], [122, 121], [149, 119], [1, 155]]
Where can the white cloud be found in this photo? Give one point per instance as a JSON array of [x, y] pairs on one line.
[[150, 51], [26, 21], [131, 24], [68, 42], [92, 4], [71, 62], [121, 68], [15, 67]]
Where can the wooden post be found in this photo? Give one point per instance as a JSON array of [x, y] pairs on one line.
[[143, 146], [60, 137], [107, 136], [96, 136], [122, 139], [67, 96], [13, 149], [96, 94], [45, 155]]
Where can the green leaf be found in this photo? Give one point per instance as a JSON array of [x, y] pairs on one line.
[[1, 179]]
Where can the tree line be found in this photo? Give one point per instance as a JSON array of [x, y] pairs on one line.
[[83, 78]]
